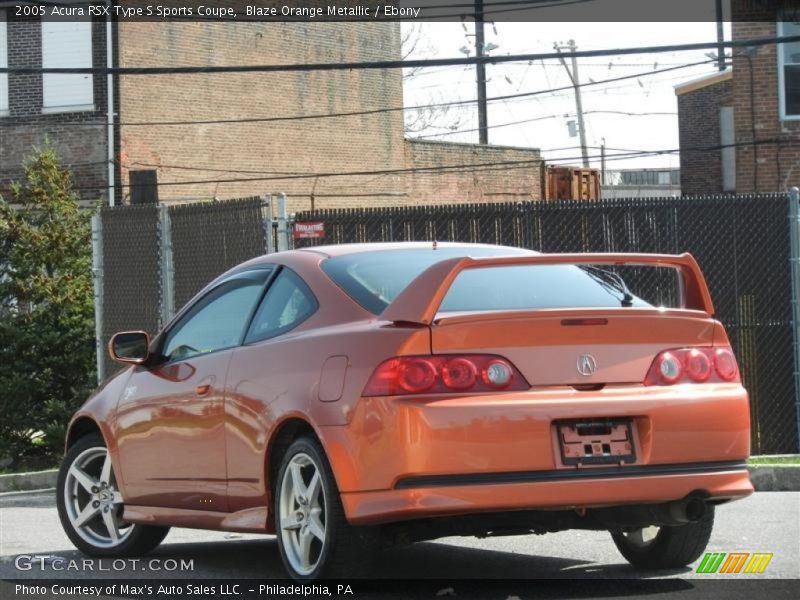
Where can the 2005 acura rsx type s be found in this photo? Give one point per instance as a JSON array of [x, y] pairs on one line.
[[349, 397]]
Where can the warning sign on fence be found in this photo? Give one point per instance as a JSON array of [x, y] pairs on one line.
[[309, 229]]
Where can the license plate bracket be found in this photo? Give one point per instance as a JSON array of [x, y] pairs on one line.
[[596, 441]]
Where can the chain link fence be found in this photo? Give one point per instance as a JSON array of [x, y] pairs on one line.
[[129, 286], [210, 238], [741, 242], [154, 259]]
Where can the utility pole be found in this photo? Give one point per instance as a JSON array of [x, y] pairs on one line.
[[574, 77], [603, 161], [720, 36], [480, 73]]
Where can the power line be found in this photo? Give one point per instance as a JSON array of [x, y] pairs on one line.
[[395, 64], [67, 165], [264, 172], [446, 168], [534, 4], [104, 123], [544, 118]]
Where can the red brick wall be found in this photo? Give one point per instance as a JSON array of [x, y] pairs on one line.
[[275, 150], [773, 164], [699, 127]]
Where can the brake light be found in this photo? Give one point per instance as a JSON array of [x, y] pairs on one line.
[[693, 365], [446, 374]]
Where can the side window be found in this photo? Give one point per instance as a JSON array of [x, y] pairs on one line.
[[789, 71], [218, 319], [288, 303]]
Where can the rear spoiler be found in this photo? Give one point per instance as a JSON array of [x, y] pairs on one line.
[[420, 300]]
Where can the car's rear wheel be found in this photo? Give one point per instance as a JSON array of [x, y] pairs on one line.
[[90, 505], [666, 547], [314, 537]]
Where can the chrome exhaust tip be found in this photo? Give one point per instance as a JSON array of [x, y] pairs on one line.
[[688, 510]]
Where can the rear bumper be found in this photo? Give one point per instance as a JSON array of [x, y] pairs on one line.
[[404, 458], [548, 490]]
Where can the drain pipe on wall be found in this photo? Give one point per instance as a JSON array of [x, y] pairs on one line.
[[110, 106]]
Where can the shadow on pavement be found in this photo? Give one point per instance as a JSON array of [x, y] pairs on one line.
[[259, 558]]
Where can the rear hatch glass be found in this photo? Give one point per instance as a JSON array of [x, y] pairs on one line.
[[375, 279]]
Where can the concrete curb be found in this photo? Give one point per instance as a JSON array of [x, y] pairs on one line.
[[23, 482], [28, 499], [766, 478], [775, 478]]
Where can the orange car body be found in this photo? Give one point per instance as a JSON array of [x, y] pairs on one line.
[[192, 441]]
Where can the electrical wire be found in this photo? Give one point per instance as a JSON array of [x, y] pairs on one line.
[[446, 168], [104, 123], [471, 14], [544, 118], [397, 64]]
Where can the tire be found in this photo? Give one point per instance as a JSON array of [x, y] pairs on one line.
[[671, 548], [308, 514], [88, 516]]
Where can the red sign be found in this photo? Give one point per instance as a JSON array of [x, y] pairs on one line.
[[309, 229]]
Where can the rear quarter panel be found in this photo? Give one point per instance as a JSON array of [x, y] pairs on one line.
[[276, 380]]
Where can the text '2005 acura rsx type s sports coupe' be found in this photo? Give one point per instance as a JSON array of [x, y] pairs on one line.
[[348, 397]]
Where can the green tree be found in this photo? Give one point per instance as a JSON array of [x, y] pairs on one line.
[[46, 310]]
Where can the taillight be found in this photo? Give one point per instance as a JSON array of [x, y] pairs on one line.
[[446, 374], [725, 363], [693, 365]]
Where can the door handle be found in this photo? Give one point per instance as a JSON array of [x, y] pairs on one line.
[[205, 386]]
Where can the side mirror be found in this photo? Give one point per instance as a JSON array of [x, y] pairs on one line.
[[129, 347]]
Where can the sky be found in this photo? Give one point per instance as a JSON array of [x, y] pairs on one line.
[[646, 94]]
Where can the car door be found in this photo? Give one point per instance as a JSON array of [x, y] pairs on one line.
[[171, 415], [264, 377]]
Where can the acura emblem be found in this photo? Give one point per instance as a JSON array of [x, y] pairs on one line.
[[587, 365]]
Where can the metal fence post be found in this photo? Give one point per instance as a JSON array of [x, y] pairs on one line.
[[97, 285], [266, 221], [794, 239], [283, 227], [166, 265]]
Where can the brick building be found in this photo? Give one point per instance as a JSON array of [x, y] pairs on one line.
[[67, 110], [705, 109], [198, 160], [763, 95]]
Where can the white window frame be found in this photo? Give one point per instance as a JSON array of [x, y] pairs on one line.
[[4, 96], [781, 80], [68, 108]]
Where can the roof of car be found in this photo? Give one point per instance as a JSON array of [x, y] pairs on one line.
[[305, 254], [343, 249]]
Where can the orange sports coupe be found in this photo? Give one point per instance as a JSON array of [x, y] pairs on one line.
[[348, 397]]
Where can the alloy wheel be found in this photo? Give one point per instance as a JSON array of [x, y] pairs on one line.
[[92, 501], [302, 513]]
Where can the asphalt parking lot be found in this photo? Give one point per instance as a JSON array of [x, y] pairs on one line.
[[764, 522]]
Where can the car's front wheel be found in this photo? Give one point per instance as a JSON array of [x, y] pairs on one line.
[[666, 547], [314, 537], [90, 505]]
